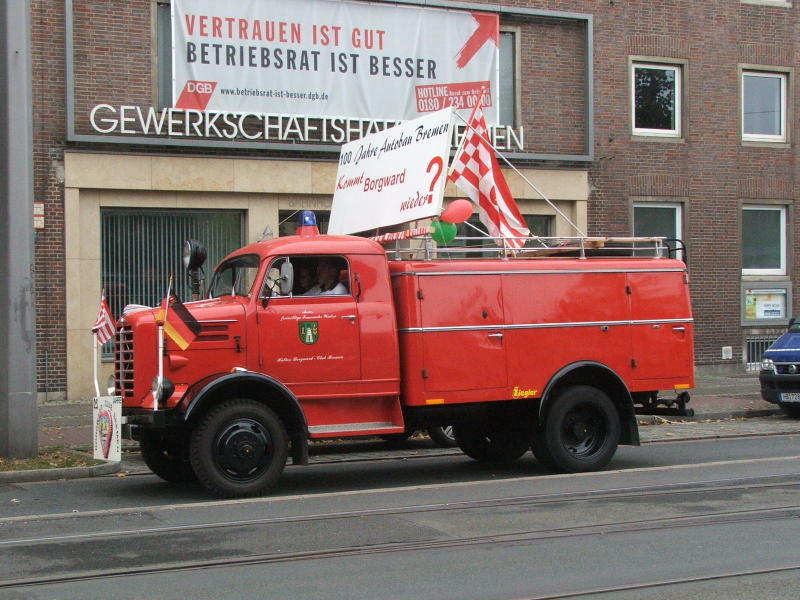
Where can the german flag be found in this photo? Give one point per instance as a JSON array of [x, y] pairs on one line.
[[179, 324]]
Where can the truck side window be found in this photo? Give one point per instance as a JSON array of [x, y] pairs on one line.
[[313, 276], [330, 274]]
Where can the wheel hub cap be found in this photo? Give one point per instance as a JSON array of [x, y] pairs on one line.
[[242, 449]]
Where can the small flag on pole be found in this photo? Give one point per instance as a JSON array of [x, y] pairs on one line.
[[476, 171], [104, 327], [179, 324]]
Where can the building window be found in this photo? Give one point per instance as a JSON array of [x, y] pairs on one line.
[[164, 55], [763, 106], [657, 219], [656, 99], [763, 240], [508, 79], [141, 248]]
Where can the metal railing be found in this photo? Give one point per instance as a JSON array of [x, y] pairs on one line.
[[424, 248], [755, 346]]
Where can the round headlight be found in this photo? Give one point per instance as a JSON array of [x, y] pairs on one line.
[[194, 255], [767, 364], [111, 385]]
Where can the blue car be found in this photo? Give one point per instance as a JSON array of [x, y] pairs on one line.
[[780, 371]]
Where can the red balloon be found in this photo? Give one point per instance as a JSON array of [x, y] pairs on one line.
[[457, 211]]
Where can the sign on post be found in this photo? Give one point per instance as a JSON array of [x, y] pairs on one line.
[[393, 176], [107, 419]]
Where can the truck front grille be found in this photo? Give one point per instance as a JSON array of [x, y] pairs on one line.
[[123, 362]]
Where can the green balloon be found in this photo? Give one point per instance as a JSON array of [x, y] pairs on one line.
[[443, 233]]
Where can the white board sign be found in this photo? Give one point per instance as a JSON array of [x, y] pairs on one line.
[[393, 176], [107, 421], [333, 58]]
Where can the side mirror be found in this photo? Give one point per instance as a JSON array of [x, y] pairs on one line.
[[791, 322], [287, 278]]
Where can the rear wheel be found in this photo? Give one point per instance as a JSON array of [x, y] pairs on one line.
[[490, 444], [239, 449], [581, 432], [442, 436], [167, 455]]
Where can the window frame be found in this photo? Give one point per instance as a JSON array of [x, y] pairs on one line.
[[783, 76], [782, 210], [242, 258], [654, 63], [678, 206]]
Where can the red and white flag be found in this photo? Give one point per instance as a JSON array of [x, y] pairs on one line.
[[476, 171], [104, 327]]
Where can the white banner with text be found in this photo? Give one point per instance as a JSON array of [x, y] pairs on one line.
[[331, 58], [394, 176]]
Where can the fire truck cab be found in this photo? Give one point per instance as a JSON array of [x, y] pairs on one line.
[[550, 353]]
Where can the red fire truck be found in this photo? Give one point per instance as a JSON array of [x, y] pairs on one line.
[[549, 350]]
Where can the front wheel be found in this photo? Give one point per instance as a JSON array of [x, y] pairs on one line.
[[167, 455], [791, 410], [239, 449], [581, 432]]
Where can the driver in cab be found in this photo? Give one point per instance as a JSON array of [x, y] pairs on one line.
[[328, 283]]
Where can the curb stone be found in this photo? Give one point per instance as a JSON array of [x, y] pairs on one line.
[[63, 473], [711, 416]]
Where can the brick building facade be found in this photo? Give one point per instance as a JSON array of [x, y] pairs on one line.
[[575, 66]]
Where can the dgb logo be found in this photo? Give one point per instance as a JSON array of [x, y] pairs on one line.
[[196, 95]]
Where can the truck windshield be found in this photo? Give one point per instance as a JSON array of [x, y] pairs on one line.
[[234, 277]]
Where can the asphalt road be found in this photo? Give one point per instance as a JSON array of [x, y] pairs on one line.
[[700, 519]]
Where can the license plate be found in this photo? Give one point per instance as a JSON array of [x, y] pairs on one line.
[[793, 397]]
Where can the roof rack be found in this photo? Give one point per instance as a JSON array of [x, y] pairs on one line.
[[582, 247]]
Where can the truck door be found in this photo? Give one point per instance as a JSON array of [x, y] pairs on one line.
[[661, 328], [314, 338], [462, 321]]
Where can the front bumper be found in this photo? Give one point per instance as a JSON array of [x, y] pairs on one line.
[[135, 419], [775, 384]]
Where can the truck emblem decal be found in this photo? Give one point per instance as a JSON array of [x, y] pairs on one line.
[[524, 393], [309, 332]]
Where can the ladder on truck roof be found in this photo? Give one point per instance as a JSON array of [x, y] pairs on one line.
[[580, 246]]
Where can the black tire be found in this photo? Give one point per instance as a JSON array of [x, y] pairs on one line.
[[239, 449], [442, 436], [167, 455], [581, 432], [490, 444], [791, 410]]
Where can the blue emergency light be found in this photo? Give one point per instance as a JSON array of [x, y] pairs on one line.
[[307, 223]]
